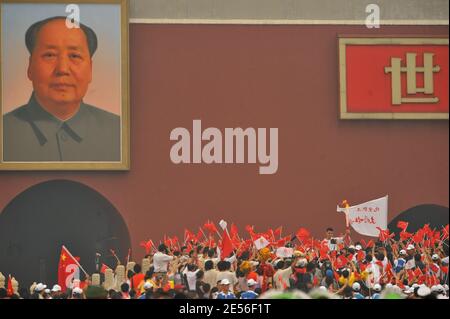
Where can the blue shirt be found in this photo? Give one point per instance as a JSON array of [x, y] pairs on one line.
[[229, 295], [399, 265], [358, 296], [250, 294]]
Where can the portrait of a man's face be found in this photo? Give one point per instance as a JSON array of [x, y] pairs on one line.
[[72, 108], [60, 67]]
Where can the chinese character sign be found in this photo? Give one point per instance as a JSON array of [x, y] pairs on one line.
[[366, 217], [394, 78]]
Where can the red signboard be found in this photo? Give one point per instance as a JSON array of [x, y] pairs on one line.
[[394, 78]]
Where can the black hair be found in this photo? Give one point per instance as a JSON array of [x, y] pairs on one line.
[[191, 267], [116, 295], [348, 292], [33, 32], [130, 274], [3, 293], [211, 252], [345, 273], [209, 265], [245, 255], [280, 264], [137, 268], [330, 229], [200, 274], [310, 266], [162, 248], [222, 265], [125, 287]]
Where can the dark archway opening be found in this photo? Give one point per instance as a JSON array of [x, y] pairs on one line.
[[37, 222], [435, 215]]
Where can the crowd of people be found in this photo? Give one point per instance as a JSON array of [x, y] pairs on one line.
[[268, 265]]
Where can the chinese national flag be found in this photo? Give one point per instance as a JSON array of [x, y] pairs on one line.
[[227, 245], [341, 261], [234, 231], [370, 244], [9, 290], [67, 266], [434, 268], [360, 256], [418, 272], [278, 231], [411, 275], [303, 234], [405, 235], [402, 225]]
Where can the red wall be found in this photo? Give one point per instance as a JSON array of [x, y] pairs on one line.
[[257, 76]]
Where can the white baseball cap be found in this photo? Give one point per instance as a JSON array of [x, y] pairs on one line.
[[40, 287], [435, 257], [358, 247], [47, 291], [402, 252], [356, 286], [251, 282], [77, 290], [56, 288], [351, 247], [377, 287], [410, 247], [409, 291], [424, 291], [225, 282], [148, 285]]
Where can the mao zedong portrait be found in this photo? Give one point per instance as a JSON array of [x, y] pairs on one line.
[[55, 124]]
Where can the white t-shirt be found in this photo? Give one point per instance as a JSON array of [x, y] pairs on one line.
[[161, 261], [191, 277], [281, 277]]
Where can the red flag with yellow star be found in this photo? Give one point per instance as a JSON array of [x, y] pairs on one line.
[[67, 268]]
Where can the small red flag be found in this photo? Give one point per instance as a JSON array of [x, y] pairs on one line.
[[303, 234], [405, 235], [418, 272], [234, 231], [434, 268], [402, 225], [278, 231], [360, 256], [9, 290], [210, 227], [370, 244], [227, 246]]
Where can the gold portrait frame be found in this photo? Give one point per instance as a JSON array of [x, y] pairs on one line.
[[343, 41], [124, 163]]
